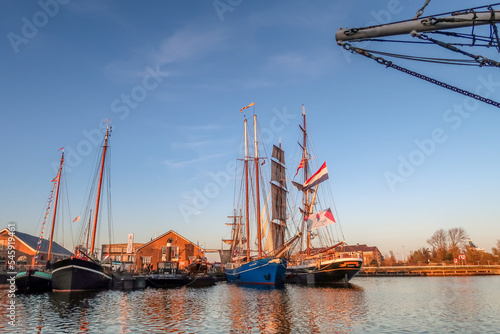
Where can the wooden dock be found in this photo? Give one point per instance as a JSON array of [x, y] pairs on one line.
[[463, 270], [129, 282]]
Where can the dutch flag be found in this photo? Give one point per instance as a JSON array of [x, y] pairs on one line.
[[318, 177]]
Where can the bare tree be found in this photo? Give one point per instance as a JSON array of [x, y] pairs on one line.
[[457, 238], [496, 250], [438, 241]]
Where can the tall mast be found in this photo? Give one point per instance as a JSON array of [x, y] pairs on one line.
[[99, 189], [247, 215], [88, 232], [257, 192], [307, 208], [55, 206]]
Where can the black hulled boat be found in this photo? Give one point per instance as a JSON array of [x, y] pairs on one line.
[[83, 272]]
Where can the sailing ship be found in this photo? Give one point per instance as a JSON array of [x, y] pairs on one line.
[[35, 280], [83, 271], [324, 264], [269, 265]]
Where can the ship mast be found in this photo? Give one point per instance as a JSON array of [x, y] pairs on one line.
[[307, 205], [88, 231], [49, 254], [257, 190], [99, 189], [247, 215]]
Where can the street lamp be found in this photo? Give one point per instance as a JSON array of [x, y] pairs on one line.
[[404, 256]]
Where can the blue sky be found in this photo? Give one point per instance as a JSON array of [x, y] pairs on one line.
[[172, 76]]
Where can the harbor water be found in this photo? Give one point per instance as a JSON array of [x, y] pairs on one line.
[[468, 304]]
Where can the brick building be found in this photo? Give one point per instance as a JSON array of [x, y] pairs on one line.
[[169, 246], [368, 253], [118, 252], [26, 246]]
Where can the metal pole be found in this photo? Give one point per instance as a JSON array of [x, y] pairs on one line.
[[421, 25]]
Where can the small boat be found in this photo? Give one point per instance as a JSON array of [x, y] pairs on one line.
[[325, 263], [199, 274], [269, 265], [171, 276], [35, 280], [168, 276], [83, 272]]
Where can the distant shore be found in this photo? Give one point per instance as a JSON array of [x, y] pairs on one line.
[[461, 270]]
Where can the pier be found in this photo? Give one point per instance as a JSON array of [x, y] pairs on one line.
[[128, 282], [462, 270]]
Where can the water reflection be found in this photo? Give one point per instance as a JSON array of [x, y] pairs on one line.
[[258, 307], [372, 305]]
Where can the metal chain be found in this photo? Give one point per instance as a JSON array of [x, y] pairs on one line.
[[421, 10], [495, 33], [493, 30], [387, 63]]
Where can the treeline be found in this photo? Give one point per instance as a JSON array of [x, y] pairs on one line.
[[445, 247]]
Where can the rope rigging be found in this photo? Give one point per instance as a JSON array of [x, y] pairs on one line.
[[387, 63], [422, 29], [482, 61]]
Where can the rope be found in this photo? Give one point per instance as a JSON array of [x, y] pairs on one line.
[[478, 58], [421, 10]]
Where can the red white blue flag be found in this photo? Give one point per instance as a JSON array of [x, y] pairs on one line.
[[318, 177], [320, 219]]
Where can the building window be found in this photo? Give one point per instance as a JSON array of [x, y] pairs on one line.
[[116, 249], [146, 259]]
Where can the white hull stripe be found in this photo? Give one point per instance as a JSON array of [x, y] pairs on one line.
[[83, 268]]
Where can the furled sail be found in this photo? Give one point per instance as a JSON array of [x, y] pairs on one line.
[[276, 235]]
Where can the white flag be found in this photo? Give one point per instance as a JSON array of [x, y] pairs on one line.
[[320, 219]]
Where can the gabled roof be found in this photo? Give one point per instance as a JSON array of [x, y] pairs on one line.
[[31, 241], [357, 248], [164, 234]]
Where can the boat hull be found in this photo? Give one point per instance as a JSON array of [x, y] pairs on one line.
[[268, 271], [329, 272], [202, 280], [33, 281], [166, 281], [79, 275]]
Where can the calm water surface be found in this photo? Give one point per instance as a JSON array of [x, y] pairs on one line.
[[369, 305]]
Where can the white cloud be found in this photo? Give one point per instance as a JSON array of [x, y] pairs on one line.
[[187, 44], [178, 163], [308, 65]]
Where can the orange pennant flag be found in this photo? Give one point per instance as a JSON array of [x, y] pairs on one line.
[[248, 106]]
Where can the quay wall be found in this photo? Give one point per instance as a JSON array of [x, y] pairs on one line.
[[462, 270]]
